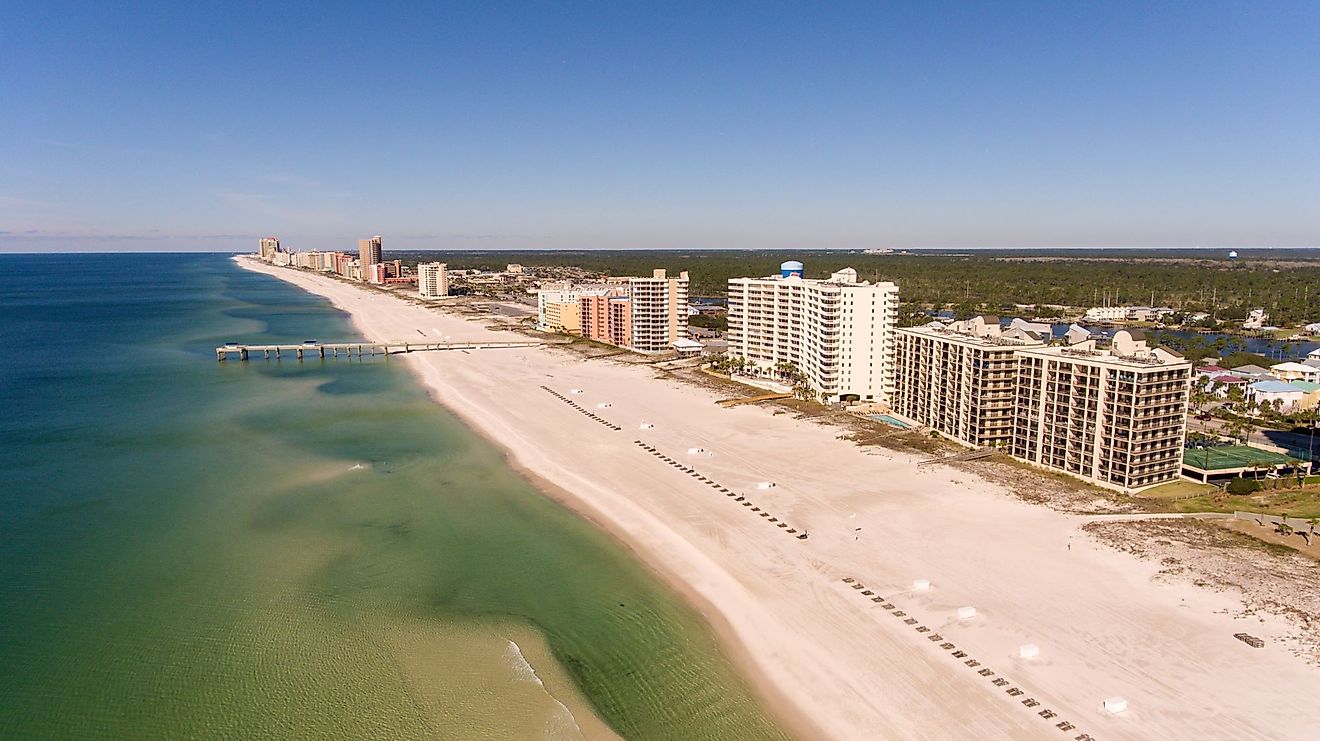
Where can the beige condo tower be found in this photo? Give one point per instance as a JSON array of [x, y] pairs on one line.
[[369, 252]]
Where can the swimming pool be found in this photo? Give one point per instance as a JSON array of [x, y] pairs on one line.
[[891, 421]]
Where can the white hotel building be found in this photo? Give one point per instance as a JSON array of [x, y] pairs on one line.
[[432, 280], [838, 332], [659, 311]]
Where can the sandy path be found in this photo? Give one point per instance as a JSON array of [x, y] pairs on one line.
[[830, 661]]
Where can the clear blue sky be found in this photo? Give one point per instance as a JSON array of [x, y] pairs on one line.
[[630, 125]]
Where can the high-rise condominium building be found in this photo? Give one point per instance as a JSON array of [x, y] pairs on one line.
[[563, 316], [961, 381], [432, 280], [1116, 416], [594, 315], [267, 247], [838, 333], [658, 311], [644, 314], [369, 251], [619, 323]]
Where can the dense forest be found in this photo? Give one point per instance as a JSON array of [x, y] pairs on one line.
[[1286, 283]]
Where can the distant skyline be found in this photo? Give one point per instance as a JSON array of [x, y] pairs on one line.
[[659, 126]]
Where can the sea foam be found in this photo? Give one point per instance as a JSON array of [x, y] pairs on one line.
[[561, 724]]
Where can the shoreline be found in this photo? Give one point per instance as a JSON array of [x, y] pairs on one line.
[[825, 661], [775, 701]]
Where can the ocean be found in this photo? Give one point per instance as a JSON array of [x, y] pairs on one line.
[[295, 549]]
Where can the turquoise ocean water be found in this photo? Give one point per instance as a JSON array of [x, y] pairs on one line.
[[294, 550]]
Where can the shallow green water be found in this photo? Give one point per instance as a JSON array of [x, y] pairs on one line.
[[294, 550]]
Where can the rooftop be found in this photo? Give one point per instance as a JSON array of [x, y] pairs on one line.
[[1250, 370], [966, 338], [1106, 357], [1275, 387], [1292, 368]]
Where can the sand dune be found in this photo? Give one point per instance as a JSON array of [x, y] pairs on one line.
[[831, 661]]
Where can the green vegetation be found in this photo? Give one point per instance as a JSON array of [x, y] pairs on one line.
[[1300, 503], [1179, 490], [1241, 486], [718, 322], [1285, 283]]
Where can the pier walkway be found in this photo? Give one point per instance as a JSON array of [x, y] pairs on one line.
[[363, 349]]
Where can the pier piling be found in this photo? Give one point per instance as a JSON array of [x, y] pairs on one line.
[[364, 349]]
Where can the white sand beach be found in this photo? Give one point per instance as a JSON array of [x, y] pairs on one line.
[[830, 661]]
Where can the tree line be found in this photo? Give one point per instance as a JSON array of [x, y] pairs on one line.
[[1288, 288]]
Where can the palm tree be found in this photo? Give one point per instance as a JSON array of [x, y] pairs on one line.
[[1310, 445], [1248, 424]]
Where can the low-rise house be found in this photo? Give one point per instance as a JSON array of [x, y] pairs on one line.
[[1107, 314], [1253, 372], [686, 348], [1266, 393], [1256, 319], [1221, 384], [1295, 372]]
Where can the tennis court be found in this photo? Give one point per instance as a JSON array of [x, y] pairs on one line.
[[1232, 456]]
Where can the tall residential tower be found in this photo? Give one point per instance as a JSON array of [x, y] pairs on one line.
[[658, 314], [369, 252], [432, 280], [838, 333], [267, 247], [961, 380]]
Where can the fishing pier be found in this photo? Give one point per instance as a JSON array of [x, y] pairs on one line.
[[363, 349]]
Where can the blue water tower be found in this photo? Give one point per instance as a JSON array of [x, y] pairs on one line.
[[792, 267], [1232, 254]]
